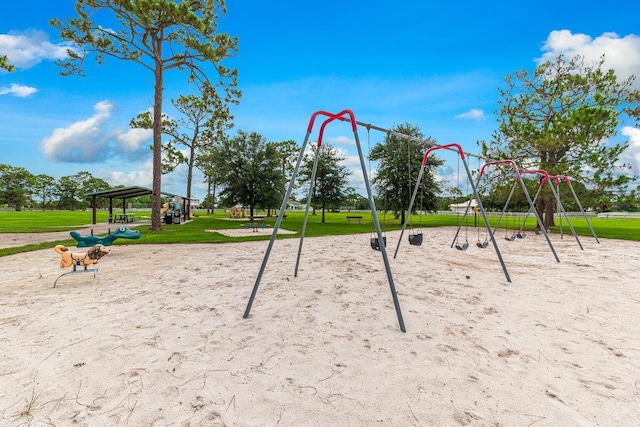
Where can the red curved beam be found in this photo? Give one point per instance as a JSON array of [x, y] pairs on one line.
[[499, 162], [559, 177], [331, 117], [540, 172], [439, 147]]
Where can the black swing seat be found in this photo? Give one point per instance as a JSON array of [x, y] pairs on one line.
[[415, 239], [462, 247], [375, 243], [521, 235], [510, 238], [482, 245]]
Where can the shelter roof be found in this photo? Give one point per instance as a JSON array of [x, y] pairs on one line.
[[127, 193]]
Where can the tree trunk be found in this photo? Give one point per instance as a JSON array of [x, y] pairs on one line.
[[156, 191], [549, 203], [213, 199], [209, 202], [190, 170], [545, 209]]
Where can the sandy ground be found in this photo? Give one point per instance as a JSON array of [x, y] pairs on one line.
[[158, 338]]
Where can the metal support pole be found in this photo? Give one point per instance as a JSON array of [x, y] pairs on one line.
[[383, 249], [581, 209], [540, 223], [563, 212], [526, 193], [306, 212], [413, 198], [504, 209], [283, 208], [486, 221]]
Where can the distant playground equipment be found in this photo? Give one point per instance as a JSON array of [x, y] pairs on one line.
[[236, 212], [461, 157], [80, 259], [255, 222], [546, 179], [172, 211], [88, 241]]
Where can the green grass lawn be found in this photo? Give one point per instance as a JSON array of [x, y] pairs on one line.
[[197, 231]]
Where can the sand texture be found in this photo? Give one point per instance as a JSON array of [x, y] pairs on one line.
[[158, 338]]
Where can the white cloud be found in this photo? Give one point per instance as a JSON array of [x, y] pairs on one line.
[[631, 155], [341, 140], [135, 139], [82, 141], [473, 114], [621, 53], [142, 176], [28, 48], [18, 90]]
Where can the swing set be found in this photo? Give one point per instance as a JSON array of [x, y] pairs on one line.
[[415, 238], [518, 180], [461, 158], [562, 178], [546, 179], [345, 115]]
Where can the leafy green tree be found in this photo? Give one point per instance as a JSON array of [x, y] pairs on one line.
[[93, 184], [559, 118], [204, 118], [159, 35], [399, 163], [288, 152], [249, 171], [69, 192], [629, 202], [354, 200], [5, 64], [15, 185], [329, 188], [207, 163], [44, 186], [73, 190]]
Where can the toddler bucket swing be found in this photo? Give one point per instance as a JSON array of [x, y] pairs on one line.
[[521, 234], [464, 246], [485, 243], [416, 237], [375, 241], [506, 230]]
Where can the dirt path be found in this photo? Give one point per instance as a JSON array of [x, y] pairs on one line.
[[9, 240]]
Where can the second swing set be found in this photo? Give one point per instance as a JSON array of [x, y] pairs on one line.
[[458, 149]]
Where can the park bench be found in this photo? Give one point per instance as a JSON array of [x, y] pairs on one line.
[[354, 218]]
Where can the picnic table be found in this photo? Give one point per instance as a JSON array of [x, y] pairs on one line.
[[123, 218]]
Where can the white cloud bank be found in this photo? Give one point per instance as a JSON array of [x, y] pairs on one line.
[[18, 90], [24, 49], [92, 140], [631, 155], [82, 141], [621, 53]]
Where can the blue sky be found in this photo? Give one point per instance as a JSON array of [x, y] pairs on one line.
[[434, 65]]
